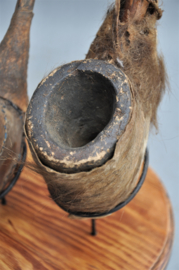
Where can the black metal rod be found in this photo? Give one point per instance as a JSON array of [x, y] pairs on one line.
[[93, 227], [3, 201]]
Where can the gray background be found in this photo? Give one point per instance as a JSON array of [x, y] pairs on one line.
[[62, 31]]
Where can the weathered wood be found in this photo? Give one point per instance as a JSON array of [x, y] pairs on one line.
[[36, 234], [77, 114], [96, 176], [14, 54], [88, 179]]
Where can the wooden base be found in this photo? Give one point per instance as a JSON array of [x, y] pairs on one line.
[[36, 234]]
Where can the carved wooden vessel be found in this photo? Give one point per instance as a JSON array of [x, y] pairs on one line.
[[14, 52], [88, 122], [84, 127]]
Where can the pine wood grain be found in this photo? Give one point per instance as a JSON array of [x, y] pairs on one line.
[[36, 234]]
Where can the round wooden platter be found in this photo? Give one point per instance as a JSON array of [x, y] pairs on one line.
[[36, 234]]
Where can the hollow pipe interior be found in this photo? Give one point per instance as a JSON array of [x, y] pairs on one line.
[[79, 108]]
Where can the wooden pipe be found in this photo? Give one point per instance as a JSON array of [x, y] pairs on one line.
[[14, 52], [62, 119], [86, 106], [84, 128]]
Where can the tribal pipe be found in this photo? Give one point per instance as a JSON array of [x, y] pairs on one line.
[[14, 53], [88, 122]]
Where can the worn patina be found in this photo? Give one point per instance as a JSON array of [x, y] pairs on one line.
[[77, 114], [14, 53], [127, 42]]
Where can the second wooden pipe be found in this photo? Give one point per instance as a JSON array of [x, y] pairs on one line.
[[14, 53]]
